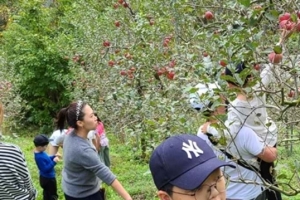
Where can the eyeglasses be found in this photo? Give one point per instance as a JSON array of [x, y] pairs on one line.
[[206, 190]]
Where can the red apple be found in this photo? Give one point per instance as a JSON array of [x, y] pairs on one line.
[[205, 54], [117, 23], [170, 75], [160, 72], [106, 43], [286, 24], [291, 93], [290, 26], [223, 63], [125, 5], [285, 16], [257, 67], [208, 15], [123, 73], [111, 63], [120, 1], [275, 58]]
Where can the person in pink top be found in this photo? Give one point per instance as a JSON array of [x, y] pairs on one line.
[[104, 147]]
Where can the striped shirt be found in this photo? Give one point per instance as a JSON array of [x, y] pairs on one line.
[[15, 180]]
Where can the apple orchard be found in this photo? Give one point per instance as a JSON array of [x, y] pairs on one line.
[[134, 61]]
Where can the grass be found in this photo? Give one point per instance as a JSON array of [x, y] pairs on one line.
[[134, 174]]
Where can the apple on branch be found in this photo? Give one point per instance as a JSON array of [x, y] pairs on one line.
[[208, 15], [285, 16], [275, 58], [291, 94], [223, 63], [170, 75]]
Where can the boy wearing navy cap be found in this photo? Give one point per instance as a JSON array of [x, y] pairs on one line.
[[185, 167], [46, 165]]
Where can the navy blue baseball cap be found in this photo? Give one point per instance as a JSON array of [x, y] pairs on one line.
[[41, 140], [184, 161]]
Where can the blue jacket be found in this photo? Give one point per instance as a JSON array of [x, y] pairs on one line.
[[45, 164]]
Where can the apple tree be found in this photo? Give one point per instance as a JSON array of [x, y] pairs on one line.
[[135, 60]]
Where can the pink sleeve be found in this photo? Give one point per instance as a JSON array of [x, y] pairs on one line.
[[100, 128]]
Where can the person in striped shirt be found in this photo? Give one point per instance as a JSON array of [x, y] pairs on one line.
[[16, 183]]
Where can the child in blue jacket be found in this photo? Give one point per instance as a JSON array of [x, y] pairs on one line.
[[46, 165]]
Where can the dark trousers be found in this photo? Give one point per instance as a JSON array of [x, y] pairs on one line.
[[49, 188], [97, 196], [262, 196], [266, 171]]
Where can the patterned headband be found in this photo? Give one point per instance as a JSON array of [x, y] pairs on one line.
[[78, 109]]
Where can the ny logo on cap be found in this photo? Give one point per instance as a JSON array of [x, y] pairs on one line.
[[191, 147]]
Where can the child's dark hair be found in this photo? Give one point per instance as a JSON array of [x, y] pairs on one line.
[[71, 115], [238, 70]]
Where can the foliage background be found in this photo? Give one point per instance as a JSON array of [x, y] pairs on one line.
[[52, 52]]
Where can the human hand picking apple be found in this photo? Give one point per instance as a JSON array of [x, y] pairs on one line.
[[58, 155], [56, 159]]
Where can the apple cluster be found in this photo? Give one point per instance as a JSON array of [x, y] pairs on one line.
[[167, 71], [129, 73], [286, 23], [77, 58], [121, 2]]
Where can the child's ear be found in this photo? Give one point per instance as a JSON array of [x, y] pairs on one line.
[[162, 195]]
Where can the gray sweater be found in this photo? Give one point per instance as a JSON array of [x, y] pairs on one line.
[[82, 168]]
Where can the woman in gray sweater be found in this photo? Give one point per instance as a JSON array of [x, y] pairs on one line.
[[82, 166]]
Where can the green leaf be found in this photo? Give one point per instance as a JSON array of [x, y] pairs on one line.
[[193, 90], [250, 46], [271, 17], [277, 49], [294, 17], [282, 176], [246, 3]]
